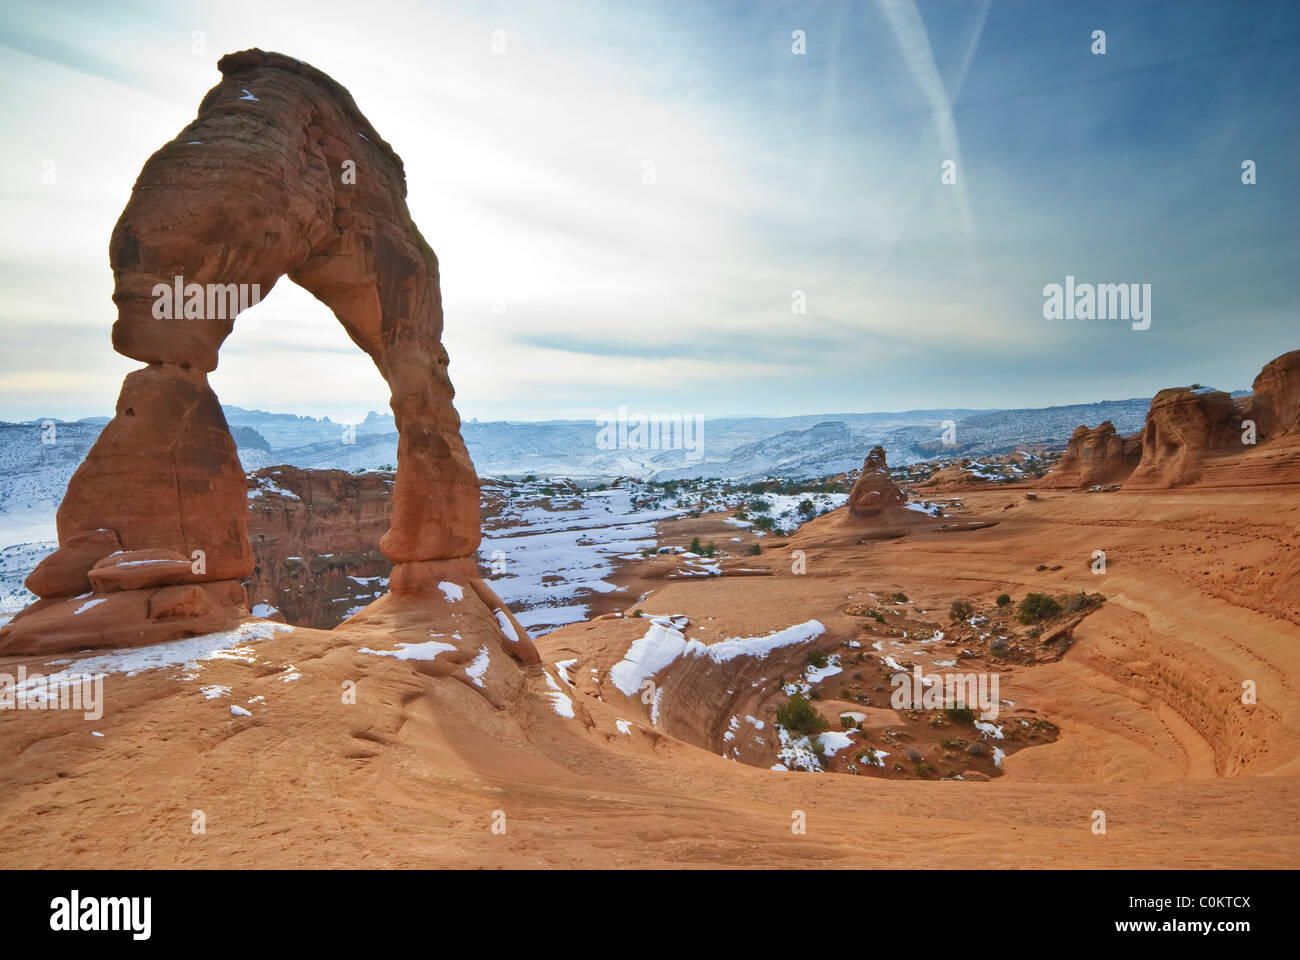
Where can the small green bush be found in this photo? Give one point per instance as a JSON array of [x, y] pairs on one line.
[[960, 715], [1004, 599], [798, 716], [960, 610], [817, 659], [1037, 606]]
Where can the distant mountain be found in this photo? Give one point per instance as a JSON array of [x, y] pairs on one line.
[[1001, 431], [34, 474]]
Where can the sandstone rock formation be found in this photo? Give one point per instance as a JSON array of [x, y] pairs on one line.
[[1184, 428], [315, 537], [1095, 456], [874, 490], [279, 174], [1198, 435], [1275, 404]]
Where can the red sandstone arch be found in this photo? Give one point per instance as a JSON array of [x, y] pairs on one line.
[[251, 191]]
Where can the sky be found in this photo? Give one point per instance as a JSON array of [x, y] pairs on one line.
[[629, 201]]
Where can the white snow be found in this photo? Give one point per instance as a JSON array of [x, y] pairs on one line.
[[454, 592], [88, 604], [428, 650], [663, 644], [187, 652], [479, 667], [562, 667], [239, 711], [834, 741], [560, 701]]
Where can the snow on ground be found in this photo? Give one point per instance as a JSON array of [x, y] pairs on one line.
[[187, 653], [664, 643], [16, 561], [479, 667], [560, 701], [550, 548], [552, 559], [427, 650]]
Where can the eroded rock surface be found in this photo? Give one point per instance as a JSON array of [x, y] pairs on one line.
[[1096, 456]]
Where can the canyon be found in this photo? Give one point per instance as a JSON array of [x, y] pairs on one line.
[[725, 668]]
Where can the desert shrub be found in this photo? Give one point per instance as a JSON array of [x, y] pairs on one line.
[[1004, 599], [765, 523], [898, 597], [960, 715], [960, 610], [755, 550], [806, 508], [759, 506], [817, 659], [798, 716], [1037, 606], [695, 545], [1075, 602], [710, 549], [637, 613]]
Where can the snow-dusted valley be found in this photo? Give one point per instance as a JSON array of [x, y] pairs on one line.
[[551, 544]]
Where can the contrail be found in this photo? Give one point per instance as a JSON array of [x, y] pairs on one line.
[[914, 44]]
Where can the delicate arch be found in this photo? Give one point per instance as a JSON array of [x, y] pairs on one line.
[[279, 175]]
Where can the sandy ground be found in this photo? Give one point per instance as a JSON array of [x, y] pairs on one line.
[[422, 770]]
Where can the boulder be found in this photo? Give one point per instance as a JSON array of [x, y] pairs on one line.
[[64, 572], [140, 570]]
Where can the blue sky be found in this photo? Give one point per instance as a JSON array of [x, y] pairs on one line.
[[773, 172]]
